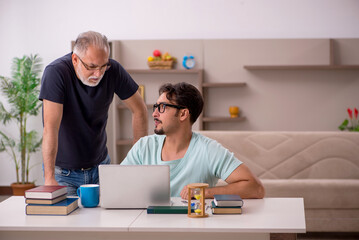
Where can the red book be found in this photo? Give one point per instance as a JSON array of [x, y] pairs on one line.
[[46, 192]]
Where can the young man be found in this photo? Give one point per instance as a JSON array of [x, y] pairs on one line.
[[77, 90], [192, 157]]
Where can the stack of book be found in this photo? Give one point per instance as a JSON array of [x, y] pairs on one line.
[[227, 204], [49, 200]]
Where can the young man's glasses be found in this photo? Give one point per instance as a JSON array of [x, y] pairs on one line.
[[103, 68], [161, 107]]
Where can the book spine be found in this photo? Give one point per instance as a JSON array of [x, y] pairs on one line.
[[167, 211]]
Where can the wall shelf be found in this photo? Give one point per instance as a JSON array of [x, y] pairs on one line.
[[223, 119], [301, 67], [164, 71], [219, 85], [123, 106], [331, 66], [220, 119]]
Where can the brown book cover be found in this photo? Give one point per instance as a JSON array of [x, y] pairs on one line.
[[45, 201], [64, 207], [46, 192]]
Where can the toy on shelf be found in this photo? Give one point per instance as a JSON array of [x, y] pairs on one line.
[[199, 195], [160, 61], [188, 62]]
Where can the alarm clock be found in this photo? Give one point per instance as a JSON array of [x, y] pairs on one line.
[[188, 62]]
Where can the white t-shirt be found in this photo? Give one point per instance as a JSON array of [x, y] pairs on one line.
[[205, 161]]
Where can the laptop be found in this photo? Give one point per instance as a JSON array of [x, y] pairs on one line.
[[134, 186]]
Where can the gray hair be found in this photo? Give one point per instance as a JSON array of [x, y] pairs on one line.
[[90, 38]]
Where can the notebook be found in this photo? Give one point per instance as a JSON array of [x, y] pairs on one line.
[[134, 186]]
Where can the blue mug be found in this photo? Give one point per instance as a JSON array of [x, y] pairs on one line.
[[89, 195]]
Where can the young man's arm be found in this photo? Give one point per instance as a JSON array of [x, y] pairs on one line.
[[52, 113], [241, 182], [139, 116]]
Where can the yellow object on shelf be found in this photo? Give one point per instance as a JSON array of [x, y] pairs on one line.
[[234, 111]]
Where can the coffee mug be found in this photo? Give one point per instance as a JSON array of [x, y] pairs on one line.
[[89, 195]]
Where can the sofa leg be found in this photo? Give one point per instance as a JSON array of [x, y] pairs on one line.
[[283, 236]]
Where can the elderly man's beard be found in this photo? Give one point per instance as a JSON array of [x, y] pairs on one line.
[[87, 81]]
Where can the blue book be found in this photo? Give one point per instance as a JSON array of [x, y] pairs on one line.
[[228, 200], [64, 207]]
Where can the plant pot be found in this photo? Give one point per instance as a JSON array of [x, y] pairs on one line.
[[18, 189]]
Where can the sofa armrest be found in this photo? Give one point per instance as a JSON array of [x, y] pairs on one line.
[[317, 193]]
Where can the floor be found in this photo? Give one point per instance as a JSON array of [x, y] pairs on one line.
[[3, 197], [306, 236], [328, 236]]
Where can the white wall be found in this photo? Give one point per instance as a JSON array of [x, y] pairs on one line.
[[46, 27]]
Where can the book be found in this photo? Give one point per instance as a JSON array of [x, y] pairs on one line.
[[46, 192], [225, 210], [168, 210], [228, 200], [45, 201], [64, 207]]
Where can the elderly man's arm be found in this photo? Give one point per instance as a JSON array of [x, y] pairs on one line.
[[139, 115], [52, 113]]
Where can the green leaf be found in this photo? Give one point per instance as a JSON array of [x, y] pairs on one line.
[[21, 92], [344, 125]]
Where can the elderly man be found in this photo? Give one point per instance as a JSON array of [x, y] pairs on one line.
[[77, 90], [192, 157]]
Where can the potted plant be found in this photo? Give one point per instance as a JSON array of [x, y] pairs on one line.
[[354, 122], [21, 92]]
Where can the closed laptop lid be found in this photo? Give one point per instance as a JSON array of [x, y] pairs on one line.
[[134, 186]]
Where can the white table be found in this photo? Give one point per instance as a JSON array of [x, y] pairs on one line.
[[260, 217]]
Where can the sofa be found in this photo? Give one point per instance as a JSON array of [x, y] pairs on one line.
[[320, 167]]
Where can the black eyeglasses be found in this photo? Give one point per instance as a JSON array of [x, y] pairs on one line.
[[103, 68], [161, 107]]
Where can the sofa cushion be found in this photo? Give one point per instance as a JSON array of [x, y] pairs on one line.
[[317, 193]]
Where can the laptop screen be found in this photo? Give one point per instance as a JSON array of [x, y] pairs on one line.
[[134, 186]]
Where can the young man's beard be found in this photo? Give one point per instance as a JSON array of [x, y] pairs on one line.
[[159, 131]]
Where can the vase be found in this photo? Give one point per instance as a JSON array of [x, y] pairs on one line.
[[233, 111], [18, 189]]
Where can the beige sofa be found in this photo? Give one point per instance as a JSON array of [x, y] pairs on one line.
[[321, 167]]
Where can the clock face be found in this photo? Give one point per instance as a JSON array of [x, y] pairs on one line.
[[188, 62]]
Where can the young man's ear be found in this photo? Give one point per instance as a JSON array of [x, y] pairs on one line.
[[184, 114]]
